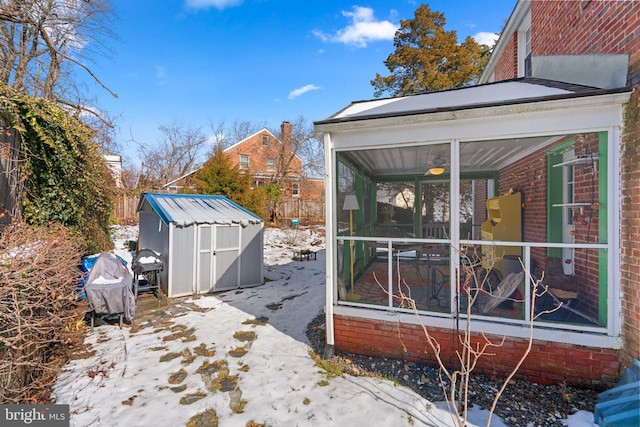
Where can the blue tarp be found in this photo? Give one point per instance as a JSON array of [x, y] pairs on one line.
[[620, 406], [85, 266]]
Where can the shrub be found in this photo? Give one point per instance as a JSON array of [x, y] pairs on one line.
[[41, 316]]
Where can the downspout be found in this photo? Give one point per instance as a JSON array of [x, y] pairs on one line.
[[330, 234]]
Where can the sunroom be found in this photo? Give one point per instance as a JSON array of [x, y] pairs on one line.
[[498, 201]]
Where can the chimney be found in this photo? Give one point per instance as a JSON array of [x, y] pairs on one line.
[[285, 132]]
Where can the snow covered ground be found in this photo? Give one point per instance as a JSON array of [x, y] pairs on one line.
[[241, 353]]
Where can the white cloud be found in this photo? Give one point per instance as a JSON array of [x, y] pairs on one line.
[[218, 4], [302, 90], [364, 28], [486, 38], [161, 74]]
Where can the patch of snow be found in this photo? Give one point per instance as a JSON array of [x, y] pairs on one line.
[[159, 375]]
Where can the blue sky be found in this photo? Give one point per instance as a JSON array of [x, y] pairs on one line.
[[266, 61]]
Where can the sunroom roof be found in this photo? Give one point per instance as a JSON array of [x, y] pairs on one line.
[[505, 92]]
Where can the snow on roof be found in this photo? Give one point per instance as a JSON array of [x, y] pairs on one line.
[[500, 93], [187, 209]]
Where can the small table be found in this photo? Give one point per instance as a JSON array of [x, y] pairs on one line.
[[305, 255]]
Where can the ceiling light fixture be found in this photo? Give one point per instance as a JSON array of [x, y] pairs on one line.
[[436, 170], [437, 166]]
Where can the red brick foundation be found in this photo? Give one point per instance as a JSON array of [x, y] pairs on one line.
[[547, 363]]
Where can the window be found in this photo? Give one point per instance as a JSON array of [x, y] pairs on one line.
[[244, 161], [271, 165], [265, 140], [524, 47], [295, 189], [527, 52]]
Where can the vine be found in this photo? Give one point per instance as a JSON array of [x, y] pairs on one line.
[[65, 179]]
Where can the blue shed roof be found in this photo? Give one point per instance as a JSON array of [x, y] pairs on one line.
[[187, 209]]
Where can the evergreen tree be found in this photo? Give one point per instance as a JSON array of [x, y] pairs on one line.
[[219, 176], [428, 58]]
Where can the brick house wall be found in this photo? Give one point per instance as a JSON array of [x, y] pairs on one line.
[[630, 226], [585, 27], [548, 362], [479, 206], [577, 28], [600, 27], [507, 65]]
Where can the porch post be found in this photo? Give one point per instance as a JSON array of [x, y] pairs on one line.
[[330, 236], [454, 222]]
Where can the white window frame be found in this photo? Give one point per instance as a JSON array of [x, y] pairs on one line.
[[245, 164], [271, 165], [295, 189], [524, 43]]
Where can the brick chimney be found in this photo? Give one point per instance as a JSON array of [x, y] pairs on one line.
[[285, 132]]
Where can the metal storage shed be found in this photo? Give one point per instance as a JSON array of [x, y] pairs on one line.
[[209, 243]]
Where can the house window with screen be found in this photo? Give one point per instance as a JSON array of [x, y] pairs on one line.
[[265, 140], [295, 189], [244, 161], [271, 165]]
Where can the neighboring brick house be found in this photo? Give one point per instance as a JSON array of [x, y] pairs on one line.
[[270, 159], [549, 144], [267, 159]]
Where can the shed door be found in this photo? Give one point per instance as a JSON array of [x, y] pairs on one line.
[[204, 267], [218, 257], [227, 257]]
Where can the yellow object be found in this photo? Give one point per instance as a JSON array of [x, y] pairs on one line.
[[504, 223], [438, 170]]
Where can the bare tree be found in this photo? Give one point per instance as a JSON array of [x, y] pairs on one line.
[[219, 136], [45, 41], [302, 143], [105, 134], [177, 153], [243, 129], [474, 288], [309, 148]]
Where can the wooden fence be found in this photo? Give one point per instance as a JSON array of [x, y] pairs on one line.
[[124, 208], [307, 211]]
